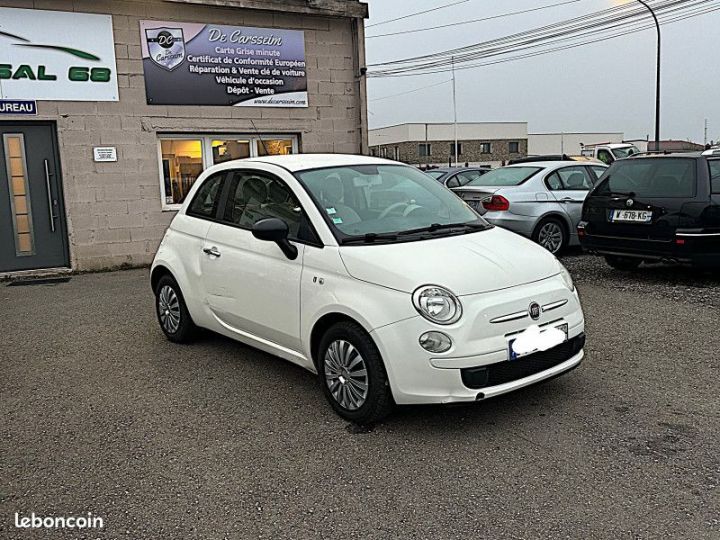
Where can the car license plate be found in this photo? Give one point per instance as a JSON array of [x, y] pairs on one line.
[[630, 216], [512, 355]]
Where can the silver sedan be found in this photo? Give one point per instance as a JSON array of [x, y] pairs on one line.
[[541, 200]]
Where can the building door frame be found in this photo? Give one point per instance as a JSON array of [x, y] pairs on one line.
[[55, 199]]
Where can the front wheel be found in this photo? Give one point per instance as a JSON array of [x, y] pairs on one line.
[[353, 375], [172, 313], [550, 233], [622, 263]]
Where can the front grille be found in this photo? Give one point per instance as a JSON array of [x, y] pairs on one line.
[[503, 372]]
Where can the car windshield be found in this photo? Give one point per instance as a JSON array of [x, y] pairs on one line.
[[505, 176], [369, 201], [650, 177], [628, 151], [436, 174]]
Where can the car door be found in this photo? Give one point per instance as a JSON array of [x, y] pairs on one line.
[[253, 288], [570, 186]]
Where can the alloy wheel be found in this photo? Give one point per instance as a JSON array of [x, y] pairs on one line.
[[169, 309], [551, 237], [346, 375]]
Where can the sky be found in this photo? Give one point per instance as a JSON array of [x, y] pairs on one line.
[[601, 87]]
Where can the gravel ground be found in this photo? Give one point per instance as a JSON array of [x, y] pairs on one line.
[[216, 440]]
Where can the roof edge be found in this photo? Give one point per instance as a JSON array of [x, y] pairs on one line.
[[331, 8]]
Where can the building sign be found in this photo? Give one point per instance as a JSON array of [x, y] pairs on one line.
[[56, 55], [104, 153], [18, 106], [208, 64]]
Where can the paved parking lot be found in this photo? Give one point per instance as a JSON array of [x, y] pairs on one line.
[[216, 440]]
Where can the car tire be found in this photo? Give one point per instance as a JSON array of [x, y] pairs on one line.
[[622, 263], [551, 234], [172, 313], [352, 374]]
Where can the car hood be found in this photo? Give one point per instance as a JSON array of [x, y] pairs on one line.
[[467, 264]]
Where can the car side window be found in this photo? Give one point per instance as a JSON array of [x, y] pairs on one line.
[[206, 200], [454, 182], [605, 156], [468, 176], [598, 170], [553, 182], [254, 195], [575, 178], [714, 165]]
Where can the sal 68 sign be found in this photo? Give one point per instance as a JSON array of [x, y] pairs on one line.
[[41, 73]]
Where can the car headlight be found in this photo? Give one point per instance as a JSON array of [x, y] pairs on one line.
[[567, 278], [437, 304]]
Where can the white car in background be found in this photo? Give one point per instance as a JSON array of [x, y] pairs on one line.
[[369, 273], [541, 200]]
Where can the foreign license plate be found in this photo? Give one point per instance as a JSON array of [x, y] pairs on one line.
[[630, 216], [512, 355]]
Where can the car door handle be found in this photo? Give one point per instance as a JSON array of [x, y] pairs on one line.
[[567, 199], [212, 251]]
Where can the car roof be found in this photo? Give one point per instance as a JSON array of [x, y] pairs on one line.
[[664, 155], [457, 169], [550, 164], [302, 162]]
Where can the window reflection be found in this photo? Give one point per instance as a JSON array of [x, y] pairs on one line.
[[182, 164], [274, 147], [231, 149]]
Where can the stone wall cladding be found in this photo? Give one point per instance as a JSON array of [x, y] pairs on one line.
[[440, 151], [114, 210]]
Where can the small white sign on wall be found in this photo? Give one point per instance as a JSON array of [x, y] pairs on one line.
[[105, 153]]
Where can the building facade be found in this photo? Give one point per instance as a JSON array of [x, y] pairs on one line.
[[570, 143], [116, 107], [490, 143]]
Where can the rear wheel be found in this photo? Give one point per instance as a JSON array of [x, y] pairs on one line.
[[550, 233], [172, 313], [622, 263], [353, 375]]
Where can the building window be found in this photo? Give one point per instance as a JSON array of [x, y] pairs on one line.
[[452, 149], [184, 157], [424, 149], [396, 153], [485, 148], [373, 152], [514, 147], [182, 163]]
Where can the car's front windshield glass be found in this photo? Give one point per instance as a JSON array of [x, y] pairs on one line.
[[505, 176], [628, 151], [370, 201]]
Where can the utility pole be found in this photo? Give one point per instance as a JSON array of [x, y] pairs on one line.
[[657, 78], [706, 127], [454, 99]]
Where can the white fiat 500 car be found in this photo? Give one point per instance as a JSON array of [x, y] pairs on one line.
[[369, 273]]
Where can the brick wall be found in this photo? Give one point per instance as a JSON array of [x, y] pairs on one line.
[[114, 210], [440, 151]]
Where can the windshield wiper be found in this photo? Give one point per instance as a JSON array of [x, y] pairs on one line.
[[368, 238], [440, 226]]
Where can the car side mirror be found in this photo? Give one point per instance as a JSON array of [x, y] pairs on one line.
[[275, 230]]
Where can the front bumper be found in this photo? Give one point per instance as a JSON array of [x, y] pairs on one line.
[[419, 377]]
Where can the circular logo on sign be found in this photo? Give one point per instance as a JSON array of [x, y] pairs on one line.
[[165, 39], [534, 311], [629, 203]]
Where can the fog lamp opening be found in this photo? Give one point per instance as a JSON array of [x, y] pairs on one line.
[[435, 342]]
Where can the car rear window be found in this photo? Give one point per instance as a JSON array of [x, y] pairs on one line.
[[650, 177], [505, 176]]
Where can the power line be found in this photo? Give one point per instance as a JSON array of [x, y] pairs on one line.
[[412, 91], [698, 11], [547, 36], [417, 13], [490, 18]]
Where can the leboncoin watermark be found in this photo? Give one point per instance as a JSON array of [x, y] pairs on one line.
[[34, 521]]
